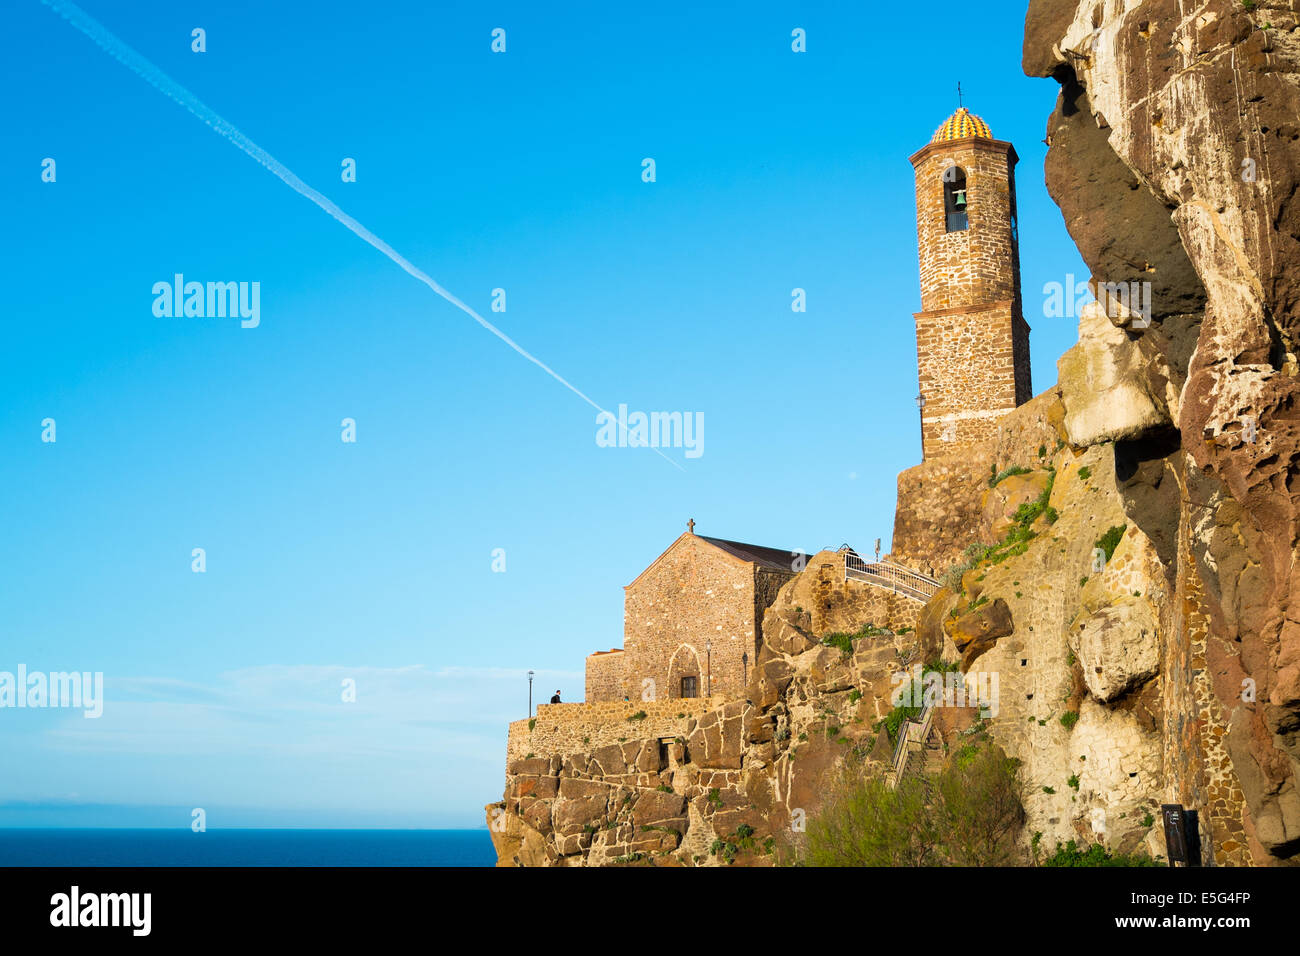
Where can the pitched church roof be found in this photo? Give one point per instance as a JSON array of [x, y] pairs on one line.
[[775, 558], [961, 125]]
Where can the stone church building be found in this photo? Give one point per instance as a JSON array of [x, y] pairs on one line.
[[692, 621]]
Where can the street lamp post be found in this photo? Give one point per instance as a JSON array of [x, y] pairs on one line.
[[708, 652], [530, 694]]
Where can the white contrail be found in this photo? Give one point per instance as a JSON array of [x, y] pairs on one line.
[[133, 61]]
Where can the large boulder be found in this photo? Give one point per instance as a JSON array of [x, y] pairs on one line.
[[657, 808], [981, 625], [1117, 646], [717, 742], [1105, 387]]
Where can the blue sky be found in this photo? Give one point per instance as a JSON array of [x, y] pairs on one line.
[[372, 561]]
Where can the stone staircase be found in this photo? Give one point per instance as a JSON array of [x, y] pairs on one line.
[[914, 754]]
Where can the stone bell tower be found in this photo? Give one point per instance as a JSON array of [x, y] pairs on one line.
[[972, 342]]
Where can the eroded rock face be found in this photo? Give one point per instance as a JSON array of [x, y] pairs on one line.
[[1106, 386], [1117, 648], [1175, 159]]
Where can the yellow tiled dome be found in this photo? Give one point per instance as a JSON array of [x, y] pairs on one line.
[[960, 125]]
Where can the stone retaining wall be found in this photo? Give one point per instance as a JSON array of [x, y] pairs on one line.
[[570, 728]]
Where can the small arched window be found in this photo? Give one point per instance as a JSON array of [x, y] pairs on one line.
[[954, 199]]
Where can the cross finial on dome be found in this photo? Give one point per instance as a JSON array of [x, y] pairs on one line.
[[959, 104]]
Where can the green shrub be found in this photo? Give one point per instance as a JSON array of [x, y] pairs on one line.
[[1069, 718], [845, 641], [1109, 541], [639, 715], [1014, 543], [967, 815], [1069, 854], [1085, 473]]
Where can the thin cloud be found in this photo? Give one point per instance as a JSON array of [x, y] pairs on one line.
[[160, 81]]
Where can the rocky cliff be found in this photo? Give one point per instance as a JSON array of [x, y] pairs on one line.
[[1175, 158]]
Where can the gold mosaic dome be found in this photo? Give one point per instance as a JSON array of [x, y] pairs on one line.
[[960, 125]]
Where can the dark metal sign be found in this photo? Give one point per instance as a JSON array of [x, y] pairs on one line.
[[1175, 832], [1182, 835]]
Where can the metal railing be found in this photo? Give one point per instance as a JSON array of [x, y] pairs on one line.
[[902, 580]]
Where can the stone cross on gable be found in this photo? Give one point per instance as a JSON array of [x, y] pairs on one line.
[[690, 526]]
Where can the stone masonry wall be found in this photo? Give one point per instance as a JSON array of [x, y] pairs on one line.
[[693, 596], [605, 676], [840, 605], [972, 340], [978, 265], [1200, 771], [941, 502], [571, 728], [966, 370], [935, 517]]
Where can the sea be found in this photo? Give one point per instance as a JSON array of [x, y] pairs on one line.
[[244, 847]]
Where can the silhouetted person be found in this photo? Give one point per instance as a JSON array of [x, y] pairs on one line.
[[556, 698]]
